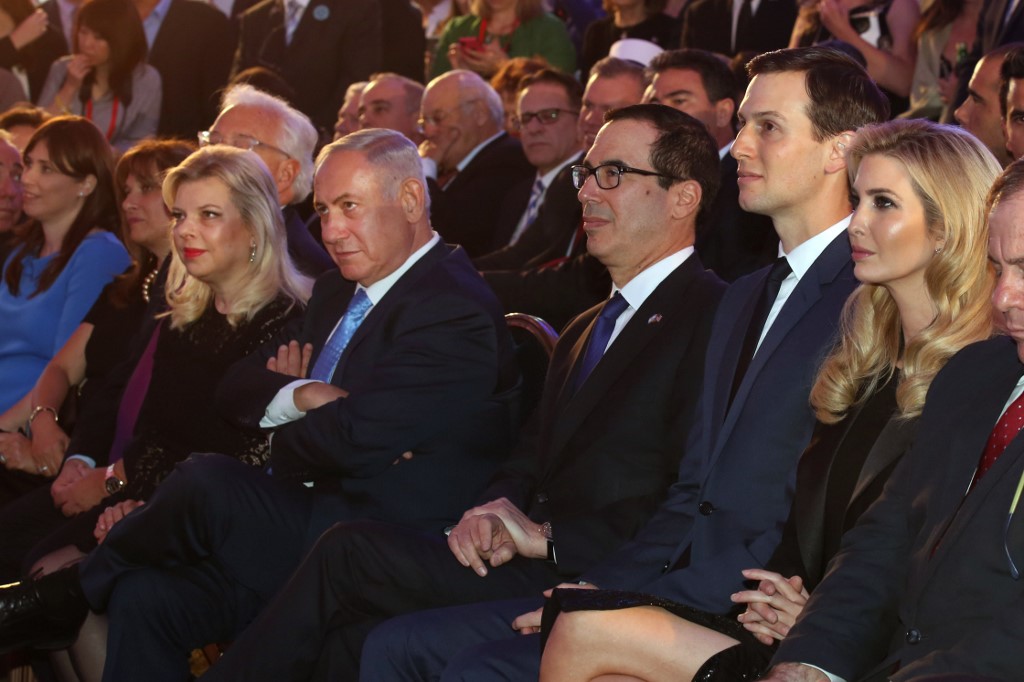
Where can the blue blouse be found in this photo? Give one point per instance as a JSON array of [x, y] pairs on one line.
[[34, 329]]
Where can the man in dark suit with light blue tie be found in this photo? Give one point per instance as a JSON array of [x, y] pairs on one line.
[[409, 352], [726, 511]]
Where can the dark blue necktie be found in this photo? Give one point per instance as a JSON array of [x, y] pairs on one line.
[[323, 370], [600, 335]]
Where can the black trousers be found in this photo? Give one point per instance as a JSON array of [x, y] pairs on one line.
[[357, 575]]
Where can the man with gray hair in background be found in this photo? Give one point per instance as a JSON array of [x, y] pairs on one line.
[[284, 138], [469, 159]]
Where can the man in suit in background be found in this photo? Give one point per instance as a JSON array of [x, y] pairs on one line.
[[615, 411], [284, 138], [934, 572], [319, 47], [983, 112], [543, 214], [1000, 22], [1011, 77], [733, 242], [770, 332], [730, 27], [188, 46], [409, 352], [559, 291], [470, 161], [391, 101]]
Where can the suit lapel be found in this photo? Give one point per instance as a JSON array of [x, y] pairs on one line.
[[807, 292], [381, 309], [644, 326], [730, 358], [480, 156]]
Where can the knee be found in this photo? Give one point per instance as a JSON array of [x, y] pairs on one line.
[[388, 647]]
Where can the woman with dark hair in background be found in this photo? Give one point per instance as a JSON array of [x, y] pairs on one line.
[[107, 79], [945, 36], [640, 19], [29, 44], [62, 259]]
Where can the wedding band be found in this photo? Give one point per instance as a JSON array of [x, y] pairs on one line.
[[43, 469], [3, 460]]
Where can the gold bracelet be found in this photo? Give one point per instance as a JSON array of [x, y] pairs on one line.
[[43, 408]]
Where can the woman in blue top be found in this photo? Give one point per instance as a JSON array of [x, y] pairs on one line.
[[63, 256]]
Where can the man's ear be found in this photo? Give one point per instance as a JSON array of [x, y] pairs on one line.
[[287, 170], [838, 149], [685, 198], [412, 197], [724, 110]]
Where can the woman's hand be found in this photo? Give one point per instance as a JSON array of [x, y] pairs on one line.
[[773, 607], [112, 515], [16, 453], [79, 67], [485, 62], [49, 443], [836, 18], [30, 30]]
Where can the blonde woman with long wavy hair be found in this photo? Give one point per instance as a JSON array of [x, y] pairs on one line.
[[919, 242]]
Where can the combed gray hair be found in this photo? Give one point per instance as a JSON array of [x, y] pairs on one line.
[[473, 86], [394, 157], [297, 136]]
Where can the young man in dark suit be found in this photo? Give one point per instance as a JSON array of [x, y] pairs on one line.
[[727, 508], [429, 369], [613, 418], [928, 581]]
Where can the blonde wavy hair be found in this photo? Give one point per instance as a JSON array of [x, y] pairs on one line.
[[951, 172], [254, 194]]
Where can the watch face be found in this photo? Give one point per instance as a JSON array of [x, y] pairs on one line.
[[114, 485]]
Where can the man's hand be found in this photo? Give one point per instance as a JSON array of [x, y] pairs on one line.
[[291, 360], [74, 470], [495, 532], [529, 623], [85, 493], [794, 672], [773, 607], [317, 394], [17, 452], [112, 515]]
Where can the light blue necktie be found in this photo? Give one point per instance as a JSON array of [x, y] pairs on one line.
[[532, 209], [323, 370]]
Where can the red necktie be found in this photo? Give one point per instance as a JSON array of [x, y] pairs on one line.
[[1004, 432]]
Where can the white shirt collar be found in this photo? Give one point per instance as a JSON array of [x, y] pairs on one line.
[[376, 291], [803, 256], [642, 285], [725, 150]]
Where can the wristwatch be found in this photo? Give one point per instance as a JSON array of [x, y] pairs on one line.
[[545, 530], [112, 483]]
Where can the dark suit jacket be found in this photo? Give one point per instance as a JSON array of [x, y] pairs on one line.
[[402, 31], [306, 253], [430, 370], [956, 607], [193, 56], [336, 43], [550, 234], [803, 548], [734, 242], [707, 25], [468, 211], [597, 462], [992, 33], [726, 511]]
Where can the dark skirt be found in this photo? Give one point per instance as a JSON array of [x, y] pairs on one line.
[[747, 660]]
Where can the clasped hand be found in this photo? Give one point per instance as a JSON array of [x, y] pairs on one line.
[[293, 360], [773, 607], [494, 533]]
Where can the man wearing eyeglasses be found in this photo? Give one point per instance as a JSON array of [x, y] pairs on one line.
[[542, 214], [284, 139], [469, 159], [612, 421]]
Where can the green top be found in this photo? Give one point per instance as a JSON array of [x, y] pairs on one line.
[[545, 36]]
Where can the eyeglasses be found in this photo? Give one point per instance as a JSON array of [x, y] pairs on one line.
[[437, 118], [608, 175], [545, 116], [240, 141]]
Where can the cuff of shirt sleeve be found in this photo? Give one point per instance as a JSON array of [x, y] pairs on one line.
[[88, 460], [281, 409]]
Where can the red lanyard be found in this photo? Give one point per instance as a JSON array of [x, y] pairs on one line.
[[113, 117]]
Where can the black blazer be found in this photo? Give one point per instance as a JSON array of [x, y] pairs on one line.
[[551, 233], [707, 25], [336, 43], [895, 594], [430, 370], [305, 251], [469, 210], [734, 490], [193, 55], [597, 462]]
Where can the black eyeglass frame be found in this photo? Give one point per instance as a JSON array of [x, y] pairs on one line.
[[581, 172]]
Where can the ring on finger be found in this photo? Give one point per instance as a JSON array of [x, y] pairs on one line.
[[43, 469], [3, 460]]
